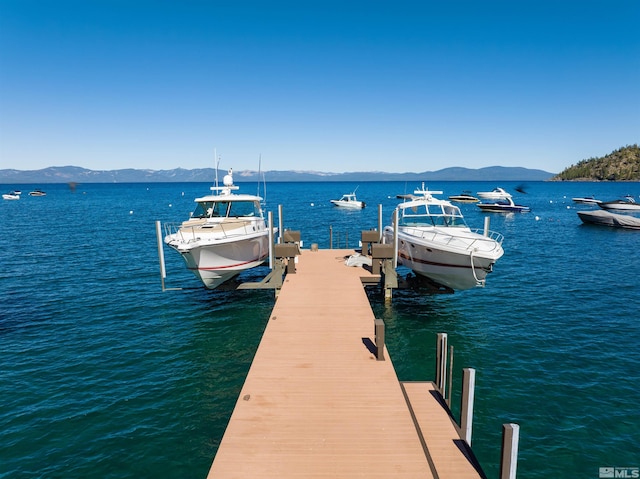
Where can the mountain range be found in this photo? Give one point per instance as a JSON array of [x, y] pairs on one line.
[[75, 174]]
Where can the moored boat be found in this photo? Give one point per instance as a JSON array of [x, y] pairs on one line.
[[505, 205], [464, 197], [495, 194], [13, 195], [37, 193], [349, 201], [587, 200], [225, 235], [606, 218], [628, 203], [434, 241]]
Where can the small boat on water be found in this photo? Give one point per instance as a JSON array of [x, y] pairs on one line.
[[587, 200], [349, 201], [464, 197], [225, 235], [13, 195], [606, 218], [628, 203], [37, 193], [495, 194], [434, 241], [505, 205]]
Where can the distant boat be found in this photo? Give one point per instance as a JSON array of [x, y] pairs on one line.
[[627, 204], [464, 197], [505, 205], [349, 201], [606, 218], [495, 194], [14, 195], [37, 193], [588, 200]]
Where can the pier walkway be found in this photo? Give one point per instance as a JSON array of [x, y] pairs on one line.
[[317, 403]]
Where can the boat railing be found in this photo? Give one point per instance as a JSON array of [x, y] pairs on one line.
[[223, 230], [488, 242]]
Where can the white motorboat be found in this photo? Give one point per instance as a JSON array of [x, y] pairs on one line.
[[505, 205], [14, 195], [225, 235], [464, 197], [628, 203], [606, 218], [495, 194], [349, 201], [434, 241], [37, 193], [587, 200]]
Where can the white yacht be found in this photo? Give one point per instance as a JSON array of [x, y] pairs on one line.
[[225, 235], [495, 194], [434, 241]]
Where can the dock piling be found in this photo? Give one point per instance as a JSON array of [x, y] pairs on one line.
[[441, 363], [466, 406], [379, 334], [509, 461]]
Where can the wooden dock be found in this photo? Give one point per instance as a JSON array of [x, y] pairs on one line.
[[317, 403]]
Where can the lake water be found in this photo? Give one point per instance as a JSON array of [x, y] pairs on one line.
[[102, 374]]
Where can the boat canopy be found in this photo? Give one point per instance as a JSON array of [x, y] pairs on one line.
[[225, 209], [418, 213]]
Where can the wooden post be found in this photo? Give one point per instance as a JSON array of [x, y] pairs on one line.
[[509, 461], [441, 362], [379, 332], [466, 403]]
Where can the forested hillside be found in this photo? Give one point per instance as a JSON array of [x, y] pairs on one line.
[[619, 165]]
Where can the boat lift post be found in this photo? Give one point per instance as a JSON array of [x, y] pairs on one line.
[[280, 228], [380, 222], [395, 237], [163, 271], [487, 221]]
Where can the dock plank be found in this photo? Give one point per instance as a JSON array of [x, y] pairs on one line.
[[316, 402]]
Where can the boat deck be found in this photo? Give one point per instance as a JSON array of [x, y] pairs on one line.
[[317, 403]]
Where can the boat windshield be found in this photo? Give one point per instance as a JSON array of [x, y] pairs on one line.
[[223, 209], [432, 215]]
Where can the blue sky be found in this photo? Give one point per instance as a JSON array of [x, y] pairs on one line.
[[328, 86]]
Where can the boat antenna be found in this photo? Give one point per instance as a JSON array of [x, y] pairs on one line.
[[216, 163], [259, 169]]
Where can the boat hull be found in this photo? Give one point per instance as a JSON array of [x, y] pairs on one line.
[[498, 208], [620, 206], [457, 262], [605, 218], [352, 205], [216, 261]]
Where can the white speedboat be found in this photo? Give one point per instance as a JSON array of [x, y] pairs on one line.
[[14, 195], [225, 235], [464, 197], [37, 193], [628, 203], [586, 200], [505, 205], [434, 241], [349, 201], [495, 194]]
